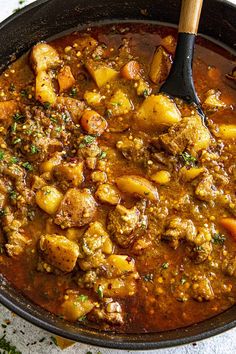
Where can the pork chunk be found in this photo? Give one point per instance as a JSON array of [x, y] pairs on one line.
[[205, 189], [110, 312], [202, 290], [179, 229], [59, 251], [77, 209], [122, 222], [229, 266], [188, 134], [73, 106]]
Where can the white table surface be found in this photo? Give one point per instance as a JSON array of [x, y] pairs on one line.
[[26, 337]]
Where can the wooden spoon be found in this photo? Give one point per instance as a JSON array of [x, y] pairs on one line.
[[179, 82]]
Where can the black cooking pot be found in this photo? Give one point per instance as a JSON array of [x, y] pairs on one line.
[[47, 18]]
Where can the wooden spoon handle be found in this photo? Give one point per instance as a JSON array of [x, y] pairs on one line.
[[190, 15]]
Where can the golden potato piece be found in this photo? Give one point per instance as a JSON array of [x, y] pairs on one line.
[[107, 193], [119, 103], [76, 307], [65, 78], [120, 287], [49, 198], [92, 98], [123, 263], [160, 66], [157, 110], [48, 165], [137, 185], [59, 251], [191, 173], [100, 72], [227, 131], [43, 57], [44, 91], [161, 177]]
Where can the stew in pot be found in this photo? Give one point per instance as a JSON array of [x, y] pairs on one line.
[[117, 203]]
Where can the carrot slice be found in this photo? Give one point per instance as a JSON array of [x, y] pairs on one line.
[[230, 225], [131, 70]]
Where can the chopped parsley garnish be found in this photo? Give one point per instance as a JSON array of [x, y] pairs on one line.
[[6, 346], [148, 277], [87, 140], [34, 149], [14, 160], [82, 318], [108, 113], [53, 119], [31, 214], [54, 340], [24, 93], [183, 281], [73, 92], [188, 159], [13, 194], [116, 104], [58, 129], [165, 265], [16, 141], [1, 155], [18, 117], [47, 105], [145, 93], [102, 155], [27, 166], [65, 117], [218, 239], [100, 292], [13, 127], [82, 298], [97, 57]]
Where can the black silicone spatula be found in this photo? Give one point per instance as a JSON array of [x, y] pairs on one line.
[[179, 83]]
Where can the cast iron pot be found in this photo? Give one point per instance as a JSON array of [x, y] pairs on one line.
[[47, 18]]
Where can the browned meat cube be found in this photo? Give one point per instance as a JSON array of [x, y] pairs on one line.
[[59, 251], [110, 311], [70, 174], [229, 266], [188, 134], [122, 222], [206, 190], [179, 229], [202, 290], [73, 106], [77, 208]]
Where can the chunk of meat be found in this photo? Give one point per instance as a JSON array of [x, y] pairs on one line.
[[94, 261], [179, 229], [16, 238], [7, 109], [77, 208], [69, 174], [189, 134], [134, 150], [202, 290], [229, 266], [59, 251], [110, 312], [72, 105], [94, 238], [122, 223], [107, 193], [205, 189], [201, 253]]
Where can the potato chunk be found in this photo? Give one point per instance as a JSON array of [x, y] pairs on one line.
[[124, 264], [65, 78], [70, 173], [43, 57], [49, 198], [59, 251], [92, 98], [161, 177], [48, 165], [137, 185], [121, 287], [227, 131], [160, 66], [191, 173], [119, 103], [100, 72], [157, 110], [108, 193], [7, 109], [77, 208], [76, 306], [93, 123], [44, 91], [94, 238]]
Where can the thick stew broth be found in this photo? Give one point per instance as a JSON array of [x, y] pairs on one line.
[[117, 203]]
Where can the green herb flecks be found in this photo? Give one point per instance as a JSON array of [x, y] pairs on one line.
[[87, 140], [47, 105], [165, 265], [188, 159], [54, 340], [148, 277], [18, 117], [100, 292], [1, 155], [27, 165], [14, 160], [16, 141], [218, 239], [3, 212], [6, 347], [12, 87], [102, 155], [13, 194], [73, 92], [34, 149], [82, 298]]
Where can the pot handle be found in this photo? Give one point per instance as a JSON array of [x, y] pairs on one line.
[[189, 16]]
